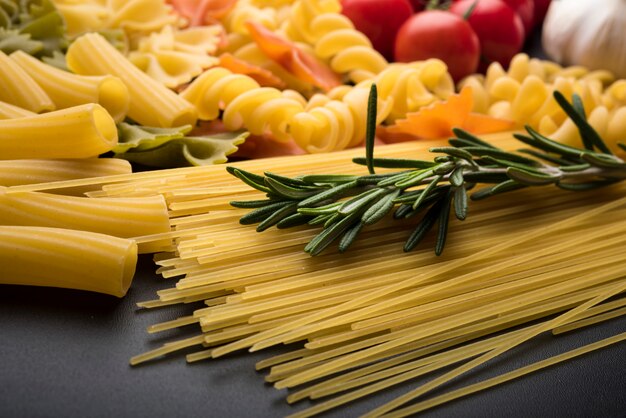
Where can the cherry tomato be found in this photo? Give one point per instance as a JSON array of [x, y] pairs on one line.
[[499, 29], [378, 20], [439, 34], [525, 9]]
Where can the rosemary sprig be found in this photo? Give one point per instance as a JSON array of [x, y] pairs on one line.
[[346, 204]]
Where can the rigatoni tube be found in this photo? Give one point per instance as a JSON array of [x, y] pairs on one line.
[[124, 217], [67, 89], [66, 258], [33, 171], [151, 103], [19, 89], [9, 111], [76, 132]]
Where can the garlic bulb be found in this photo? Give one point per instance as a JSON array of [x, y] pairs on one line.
[[590, 33]]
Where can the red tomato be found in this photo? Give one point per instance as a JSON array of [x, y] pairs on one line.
[[439, 34], [525, 9], [378, 20], [418, 5], [499, 29]]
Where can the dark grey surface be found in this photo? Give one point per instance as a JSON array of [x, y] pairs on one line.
[[65, 354]]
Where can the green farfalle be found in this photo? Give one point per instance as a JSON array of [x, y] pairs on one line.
[[142, 138], [170, 148], [33, 26]]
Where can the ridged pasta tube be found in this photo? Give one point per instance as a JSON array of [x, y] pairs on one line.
[[9, 111], [120, 217], [19, 89], [18, 172], [76, 132], [67, 89], [65, 258], [151, 103]]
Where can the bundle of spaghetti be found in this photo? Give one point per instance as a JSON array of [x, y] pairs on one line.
[[374, 316]]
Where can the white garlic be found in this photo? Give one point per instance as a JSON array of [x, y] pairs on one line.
[[590, 33]]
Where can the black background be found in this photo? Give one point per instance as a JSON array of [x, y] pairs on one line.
[[65, 353]]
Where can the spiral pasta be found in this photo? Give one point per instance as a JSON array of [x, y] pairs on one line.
[[334, 39], [324, 123], [524, 94], [413, 86]]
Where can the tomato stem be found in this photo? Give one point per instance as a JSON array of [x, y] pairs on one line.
[[469, 10]]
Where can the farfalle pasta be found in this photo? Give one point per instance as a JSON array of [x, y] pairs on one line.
[[151, 103], [136, 17], [175, 56], [66, 89]]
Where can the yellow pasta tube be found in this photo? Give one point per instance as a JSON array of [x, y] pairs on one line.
[[151, 103], [18, 172], [67, 89], [123, 217], [9, 111], [19, 89], [76, 132], [65, 258]]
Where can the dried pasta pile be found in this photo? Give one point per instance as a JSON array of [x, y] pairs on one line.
[[374, 316]]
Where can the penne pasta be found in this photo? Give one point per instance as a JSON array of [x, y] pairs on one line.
[[67, 89], [151, 103], [76, 132], [66, 258]]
